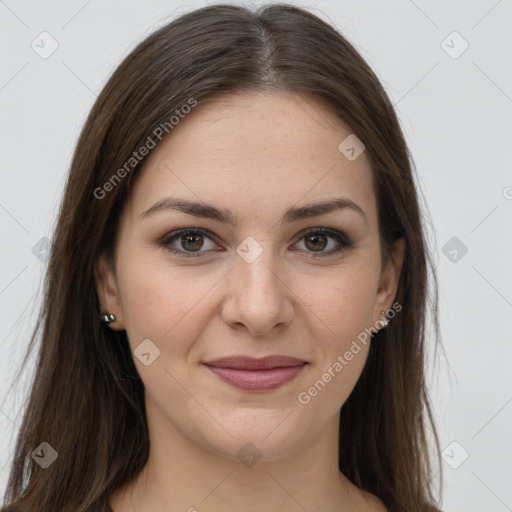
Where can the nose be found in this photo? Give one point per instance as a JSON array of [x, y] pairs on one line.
[[257, 298]]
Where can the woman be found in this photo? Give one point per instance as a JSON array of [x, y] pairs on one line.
[[236, 299]]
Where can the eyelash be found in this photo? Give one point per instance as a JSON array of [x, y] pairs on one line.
[[341, 238]]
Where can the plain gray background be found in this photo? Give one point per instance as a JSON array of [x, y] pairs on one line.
[[455, 106]]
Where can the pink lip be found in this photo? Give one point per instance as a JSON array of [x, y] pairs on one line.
[[252, 374]]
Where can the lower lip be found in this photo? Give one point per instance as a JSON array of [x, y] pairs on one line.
[[257, 380]]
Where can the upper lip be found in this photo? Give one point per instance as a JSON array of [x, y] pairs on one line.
[[251, 363]]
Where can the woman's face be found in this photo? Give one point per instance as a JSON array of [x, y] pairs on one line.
[[255, 286]]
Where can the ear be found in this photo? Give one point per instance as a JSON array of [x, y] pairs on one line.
[[108, 292], [390, 276]]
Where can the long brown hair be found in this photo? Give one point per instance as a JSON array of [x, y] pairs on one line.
[[87, 398]]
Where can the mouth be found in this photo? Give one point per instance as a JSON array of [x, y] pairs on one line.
[[252, 374]]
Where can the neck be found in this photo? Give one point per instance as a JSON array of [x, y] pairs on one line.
[[183, 475]]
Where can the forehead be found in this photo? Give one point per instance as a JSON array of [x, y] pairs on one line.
[[255, 151]]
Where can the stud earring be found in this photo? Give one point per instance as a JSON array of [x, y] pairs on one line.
[[384, 319], [108, 318]]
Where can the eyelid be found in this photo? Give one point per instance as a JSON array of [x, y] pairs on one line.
[[344, 242]]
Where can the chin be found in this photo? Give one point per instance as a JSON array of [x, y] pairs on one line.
[[257, 436]]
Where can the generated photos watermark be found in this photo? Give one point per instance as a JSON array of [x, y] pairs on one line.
[[157, 134], [304, 397]]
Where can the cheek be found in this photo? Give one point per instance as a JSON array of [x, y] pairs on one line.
[[163, 304], [334, 382], [344, 305], [341, 344]]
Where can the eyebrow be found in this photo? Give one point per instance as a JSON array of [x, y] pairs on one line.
[[226, 216]]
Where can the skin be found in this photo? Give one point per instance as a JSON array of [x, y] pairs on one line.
[[258, 154]]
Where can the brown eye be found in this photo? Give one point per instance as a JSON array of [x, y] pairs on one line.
[[188, 242], [192, 242], [316, 240]]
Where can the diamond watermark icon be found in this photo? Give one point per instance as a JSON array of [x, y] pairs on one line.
[[44, 455], [454, 455], [249, 249], [41, 249], [44, 45], [146, 352], [454, 45], [351, 147], [454, 249], [249, 455]]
